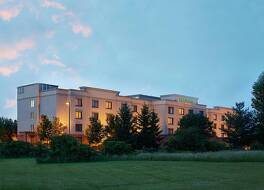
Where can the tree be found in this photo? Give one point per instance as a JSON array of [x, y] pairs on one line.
[[194, 134], [110, 128], [47, 129], [148, 129], [240, 126], [8, 128], [258, 105], [95, 131], [125, 125]]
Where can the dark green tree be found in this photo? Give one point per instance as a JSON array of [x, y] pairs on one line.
[[95, 132], [240, 126], [8, 129], [125, 128], [110, 128], [258, 105], [148, 129]]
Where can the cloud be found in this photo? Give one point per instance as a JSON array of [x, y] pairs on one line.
[[53, 4], [8, 14], [50, 34], [8, 70], [10, 103], [85, 30], [13, 51], [54, 61]]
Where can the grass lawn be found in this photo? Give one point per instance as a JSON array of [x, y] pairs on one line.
[[20, 174]]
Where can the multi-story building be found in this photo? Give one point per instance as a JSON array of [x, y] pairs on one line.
[[74, 107]]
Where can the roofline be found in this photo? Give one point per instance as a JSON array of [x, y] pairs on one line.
[[179, 95], [37, 83], [100, 89]]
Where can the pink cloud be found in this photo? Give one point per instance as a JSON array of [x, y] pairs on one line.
[[13, 51], [8, 14], [77, 28], [54, 61], [10, 103], [8, 70], [53, 4]]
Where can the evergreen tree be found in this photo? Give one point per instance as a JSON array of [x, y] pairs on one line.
[[258, 105], [110, 128], [125, 125], [240, 126], [57, 127], [155, 129], [8, 129], [95, 131]]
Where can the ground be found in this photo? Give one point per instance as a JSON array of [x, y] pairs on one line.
[[21, 174]]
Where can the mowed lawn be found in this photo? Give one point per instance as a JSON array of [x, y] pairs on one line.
[[20, 174]]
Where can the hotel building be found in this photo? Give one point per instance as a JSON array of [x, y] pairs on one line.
[[74, 107]]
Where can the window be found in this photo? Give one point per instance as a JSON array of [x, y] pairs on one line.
[[170, 131], [190, 111], [32, 127], [222, 127], [134, 108], [20, 90], [170, 110], [79, 102], [215, 117], [32, 103], [95, 103], [78, 115], [223, 117], [123, 104], [214, 126], [170, 120], [95, 115], [108, 116], [78, 127], [181, 111], [108, 105], [201, 112], [32, 115]]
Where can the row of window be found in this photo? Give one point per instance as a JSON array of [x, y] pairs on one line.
[[181, 111], [215, 118]]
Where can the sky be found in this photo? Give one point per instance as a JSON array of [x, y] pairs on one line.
[[209, 49]]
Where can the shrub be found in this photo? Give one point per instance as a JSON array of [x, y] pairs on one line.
[[214, 145], [41, 150], [66, 148], [116, 148], [257, 146], [16, 149]]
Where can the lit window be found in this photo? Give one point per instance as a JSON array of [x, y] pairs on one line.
[[171, 131], [134, 108], [170, 120], [95, 103], [170, 110], [108, 105], [95, 115], [78, 127], [78, 115], [79, 102], [181, 111], [32, 103]]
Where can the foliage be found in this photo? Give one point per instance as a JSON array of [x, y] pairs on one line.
[[66, 148], [8, 128], [258, 105], [240, 126], [257, 146], [95, 131], [148, 132], [193, 134], [47, 129], [116, 148], [16, 149]]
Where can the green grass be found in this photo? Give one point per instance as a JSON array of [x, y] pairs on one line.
[[21, 174]]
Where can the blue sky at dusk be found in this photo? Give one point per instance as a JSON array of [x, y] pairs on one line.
[[209, 49]]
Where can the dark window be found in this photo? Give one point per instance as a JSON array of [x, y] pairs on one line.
[[123, 104], [170, 120], [79, 102], [171, 131], [32, 115], [222, 127], [190, 111], [108, 116], [78, 127], [78, 115], [95, 115], [214, 126], [170, 110], [223, 117], [134, 108], [95, 103], [108, 105], [20, 90], [202, 112]]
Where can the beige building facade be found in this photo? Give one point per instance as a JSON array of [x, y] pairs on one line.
[[74, 107]]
